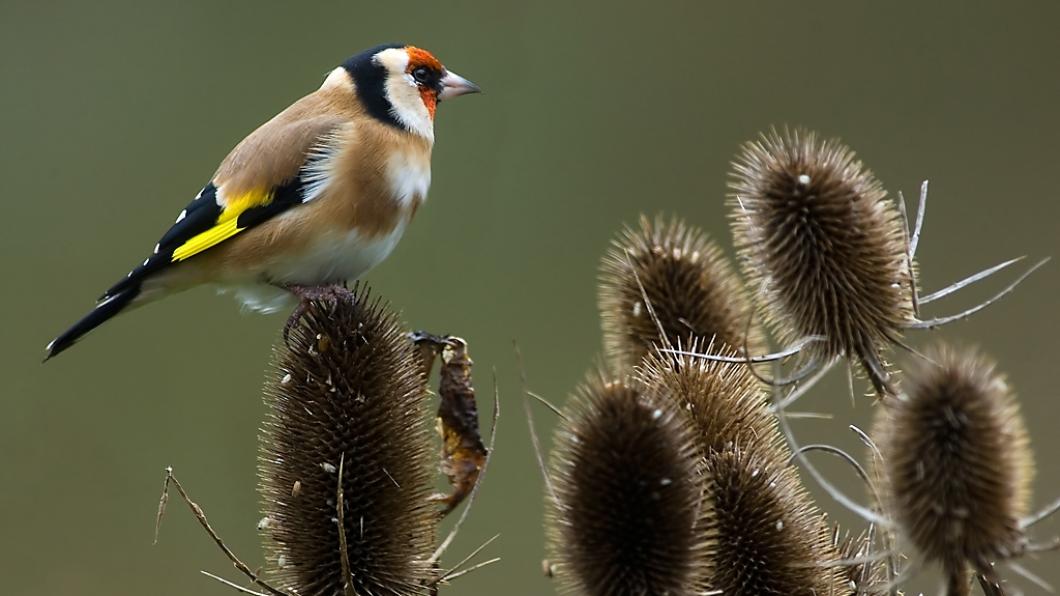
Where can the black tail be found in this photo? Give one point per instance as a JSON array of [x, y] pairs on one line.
[[111, 305]]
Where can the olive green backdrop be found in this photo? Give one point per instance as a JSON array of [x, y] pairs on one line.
[[115, 113]]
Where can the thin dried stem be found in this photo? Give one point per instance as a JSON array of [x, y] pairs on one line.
[[795, 394], [913, 290], [836, 451], [232, 585], [1041, 515], [921, 210], [940, 321], [344, 549], [792, 350], [971, 279], [200, 515], [534, 440], [472, 568], [1030, 576], [555, 410], [866, 513], [647, 302], [450, 573]]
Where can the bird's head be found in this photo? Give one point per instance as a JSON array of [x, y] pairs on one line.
[[402, 85]]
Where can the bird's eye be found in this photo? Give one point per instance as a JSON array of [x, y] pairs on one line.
[[421, 75]]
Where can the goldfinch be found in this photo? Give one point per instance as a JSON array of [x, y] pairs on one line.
[[316, 196]]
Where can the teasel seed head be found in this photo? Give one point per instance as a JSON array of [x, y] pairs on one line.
[[771, 538], [348, 394], [726, 403], [822, 245], [692, 288], [628, 517], [956, 466]]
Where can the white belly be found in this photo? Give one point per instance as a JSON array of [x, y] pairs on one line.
[[331, 259]]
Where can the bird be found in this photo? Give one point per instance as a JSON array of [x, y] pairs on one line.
[[313, 198]]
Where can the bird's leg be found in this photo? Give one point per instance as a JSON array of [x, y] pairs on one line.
[[307, 294]]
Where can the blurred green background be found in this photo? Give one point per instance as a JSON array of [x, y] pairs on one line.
[[115, 113]]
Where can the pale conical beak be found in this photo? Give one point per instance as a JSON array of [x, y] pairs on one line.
[[454, 85]]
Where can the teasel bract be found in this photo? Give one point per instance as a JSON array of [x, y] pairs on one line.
[[823, 246], [692, 288], [627, 515], [347, 415], [955, 466], [771, 538]]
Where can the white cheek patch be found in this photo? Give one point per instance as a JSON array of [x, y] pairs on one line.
[[404, 95], [407, 105]]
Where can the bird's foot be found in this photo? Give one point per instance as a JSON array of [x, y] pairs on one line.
[[307, 294]]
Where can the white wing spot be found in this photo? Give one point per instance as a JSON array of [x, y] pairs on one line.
[[182, 215], [156, 249], [146, 261], [106, 301], [316, 175]]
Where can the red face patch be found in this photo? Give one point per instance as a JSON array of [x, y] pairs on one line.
[[419, 58]]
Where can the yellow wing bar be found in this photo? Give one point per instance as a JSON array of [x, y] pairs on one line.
[[226, 226]]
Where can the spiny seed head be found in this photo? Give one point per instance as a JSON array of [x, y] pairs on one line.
[[771, 538], [725, 401], [869, 575], [821, 243], [628, 517], [347, 394], [956, 466], [690, 284]]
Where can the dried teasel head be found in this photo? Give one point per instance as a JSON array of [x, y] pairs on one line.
[[955, 464], [347, 396], [866, 574], [626, 515], [823, 246], [771, 537], [691, 286], [726, 403]]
